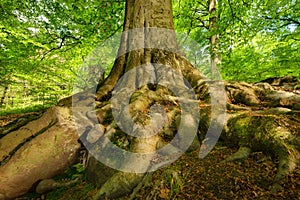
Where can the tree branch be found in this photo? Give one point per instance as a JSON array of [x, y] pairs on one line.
[[286, 19]]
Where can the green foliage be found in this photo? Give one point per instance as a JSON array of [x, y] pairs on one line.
[[77, 190], [72, 173], [20, 110], [264, 57], [75, 193], [43, 43], [258, 39]]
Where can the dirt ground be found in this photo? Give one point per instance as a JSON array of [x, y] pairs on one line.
[[194, 178], [209, 179]]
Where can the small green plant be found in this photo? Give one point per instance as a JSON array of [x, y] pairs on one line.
[[78, 190], [72, 173]]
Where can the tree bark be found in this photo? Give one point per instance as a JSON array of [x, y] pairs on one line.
[[148, 39], [214, 38], [3, 95]]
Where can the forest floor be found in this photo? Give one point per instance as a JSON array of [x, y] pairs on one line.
[[191, 178]]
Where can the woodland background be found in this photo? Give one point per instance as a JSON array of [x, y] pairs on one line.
[[44, 43]]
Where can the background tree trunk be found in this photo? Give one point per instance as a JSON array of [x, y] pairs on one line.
[[215, 37], [3, 95]]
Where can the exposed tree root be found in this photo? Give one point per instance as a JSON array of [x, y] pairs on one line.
[[47, 185], [120, 184], [16, 124], [51, 149], [253, 127], [242, 154], [274, 131]]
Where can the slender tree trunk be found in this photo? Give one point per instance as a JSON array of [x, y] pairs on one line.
[[3, 95], [215, 36]]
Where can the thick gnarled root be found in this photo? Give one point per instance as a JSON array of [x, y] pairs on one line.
[[242, 154], [52, 148], [276, 135], [156, 116], [120, 184]]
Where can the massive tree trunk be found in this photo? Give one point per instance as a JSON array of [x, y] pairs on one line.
[[147, 108]]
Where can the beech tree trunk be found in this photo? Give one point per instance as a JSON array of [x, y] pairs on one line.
[[215, 37], [3, 95], [258, 118]]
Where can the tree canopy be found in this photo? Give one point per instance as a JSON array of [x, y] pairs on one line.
[[256, 36], [43, 43]]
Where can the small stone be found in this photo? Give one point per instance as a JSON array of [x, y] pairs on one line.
[[2, 197], [46, 185]]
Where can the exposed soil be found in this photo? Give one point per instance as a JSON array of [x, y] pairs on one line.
[[208, 179]]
